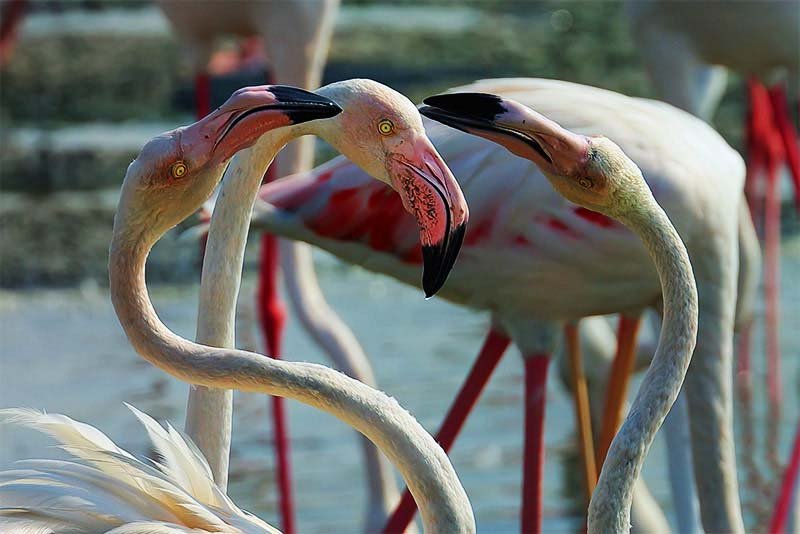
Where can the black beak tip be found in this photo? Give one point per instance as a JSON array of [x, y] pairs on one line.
[[476, 105], [302, 106], [439, 260]]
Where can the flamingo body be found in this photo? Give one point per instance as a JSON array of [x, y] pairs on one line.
[[523, 235]]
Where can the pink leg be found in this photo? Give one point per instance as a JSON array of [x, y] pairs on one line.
[[493, 348], [533, 461], [777, 524]]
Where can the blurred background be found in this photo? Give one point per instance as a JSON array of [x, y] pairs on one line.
[[89, 81]]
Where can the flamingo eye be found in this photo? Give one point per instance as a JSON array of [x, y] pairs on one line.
[[586, 183], [385, 127], [178, 169]]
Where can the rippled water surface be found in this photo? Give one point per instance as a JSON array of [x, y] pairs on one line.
[[63, 351]]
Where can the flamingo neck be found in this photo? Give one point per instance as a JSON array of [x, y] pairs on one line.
[[424, 466], [610, 507], [209, 412]]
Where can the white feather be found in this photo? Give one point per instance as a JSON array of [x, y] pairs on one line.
[[108, 489]]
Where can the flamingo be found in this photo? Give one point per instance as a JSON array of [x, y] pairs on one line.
[[687, 51], [573, 164], [594, 173], [175, 173], [570, 261], [296, 58], [688, 48], [366, 105]]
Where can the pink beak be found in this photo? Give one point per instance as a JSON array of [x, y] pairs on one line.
[[429, 191], [248, 114]]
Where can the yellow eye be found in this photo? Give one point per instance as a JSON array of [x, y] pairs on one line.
[[385, 127], [178, 170], [586, 183]]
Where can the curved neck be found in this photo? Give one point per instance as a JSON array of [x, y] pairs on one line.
[[209, 412], [609, 510], [424, 466]]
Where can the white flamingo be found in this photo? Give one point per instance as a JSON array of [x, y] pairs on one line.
[[535, 260]]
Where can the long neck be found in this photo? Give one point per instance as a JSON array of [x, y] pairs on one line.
[[609, 510], [424, 466], [209, 412]]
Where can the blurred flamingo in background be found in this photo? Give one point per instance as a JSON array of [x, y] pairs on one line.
[[688, 47], [294, 36], [535, 260]]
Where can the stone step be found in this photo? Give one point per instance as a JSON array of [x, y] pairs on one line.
[[123, 64], [81, 157]]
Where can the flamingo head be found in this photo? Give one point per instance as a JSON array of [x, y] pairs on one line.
[[381, 131], [176, 172], [592, 172]]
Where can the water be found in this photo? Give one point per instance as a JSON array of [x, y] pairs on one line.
[[63, 351]]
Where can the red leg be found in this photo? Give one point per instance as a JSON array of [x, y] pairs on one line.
[[777, 524], [788, 135], [272, 315], [533, 461], [757, 122], [493, 348]]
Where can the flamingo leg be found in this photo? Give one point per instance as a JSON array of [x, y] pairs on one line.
[[533, 459], [582, 413], [493, 348], [618, 380], [789, 137]]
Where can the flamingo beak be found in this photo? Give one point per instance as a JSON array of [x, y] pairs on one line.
[[429, 191], [250, 113], [515, 126]]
